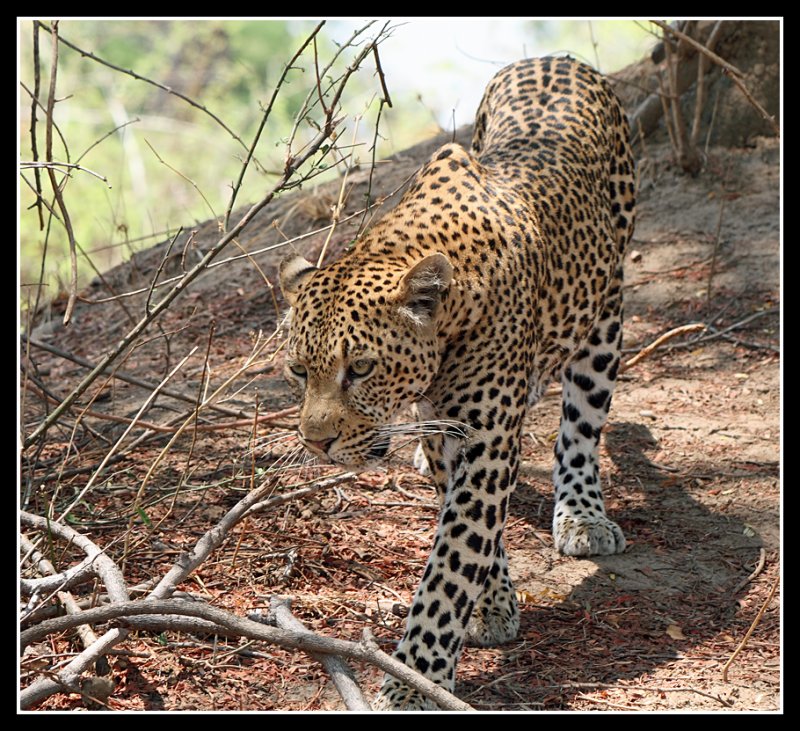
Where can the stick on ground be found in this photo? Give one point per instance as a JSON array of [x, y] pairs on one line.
[[340, 672]]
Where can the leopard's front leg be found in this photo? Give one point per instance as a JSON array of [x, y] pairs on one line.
[[467, 555], [580, 524]]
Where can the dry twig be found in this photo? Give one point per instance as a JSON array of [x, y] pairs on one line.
[[658, 342], [750, 630], [135, 381], [264, 118], [715, 333]]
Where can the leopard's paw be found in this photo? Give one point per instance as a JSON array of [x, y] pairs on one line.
[[588, 536], [421, 461], [491, 626], [396, 696]]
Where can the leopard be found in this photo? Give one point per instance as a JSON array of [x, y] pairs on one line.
[[499, 271]]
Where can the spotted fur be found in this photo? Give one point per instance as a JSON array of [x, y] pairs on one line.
[[499, 270]]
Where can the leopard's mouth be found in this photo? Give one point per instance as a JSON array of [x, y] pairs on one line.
[[350, 459], [378, 450]]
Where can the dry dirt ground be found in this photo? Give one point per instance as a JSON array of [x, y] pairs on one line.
[[691, 460]]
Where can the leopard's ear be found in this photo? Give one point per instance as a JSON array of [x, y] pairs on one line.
[[295, 271], [422, 289]]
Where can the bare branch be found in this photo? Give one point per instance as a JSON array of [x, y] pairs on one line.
[[187, 179], [106, 568], [700, 88], [51, 101], [697, 46], [138, 77], [26, 164], [34, 100], [264, 119], [386, 97], [339, 205], [161, 265]]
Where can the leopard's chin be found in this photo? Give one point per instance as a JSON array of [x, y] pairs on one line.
[[371, 459]]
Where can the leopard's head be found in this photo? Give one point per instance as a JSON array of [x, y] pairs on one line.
[[362, 345]]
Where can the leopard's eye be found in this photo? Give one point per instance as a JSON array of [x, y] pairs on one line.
[[360, 368], [298, 369]]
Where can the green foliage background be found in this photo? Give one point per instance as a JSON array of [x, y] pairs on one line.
[[230, 67]]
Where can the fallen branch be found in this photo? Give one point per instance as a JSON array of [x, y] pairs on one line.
[[745, 343], [53, 580], [658, 342], [106, 569], [96, 648], [750, 631], [231, 625], [341, 674], [194, 616], [69, 676], [68, 601]]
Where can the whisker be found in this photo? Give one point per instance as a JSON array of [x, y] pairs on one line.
[[431, 427], [273, 437]]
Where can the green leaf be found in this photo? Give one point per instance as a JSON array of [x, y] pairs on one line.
[[145, 519]]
